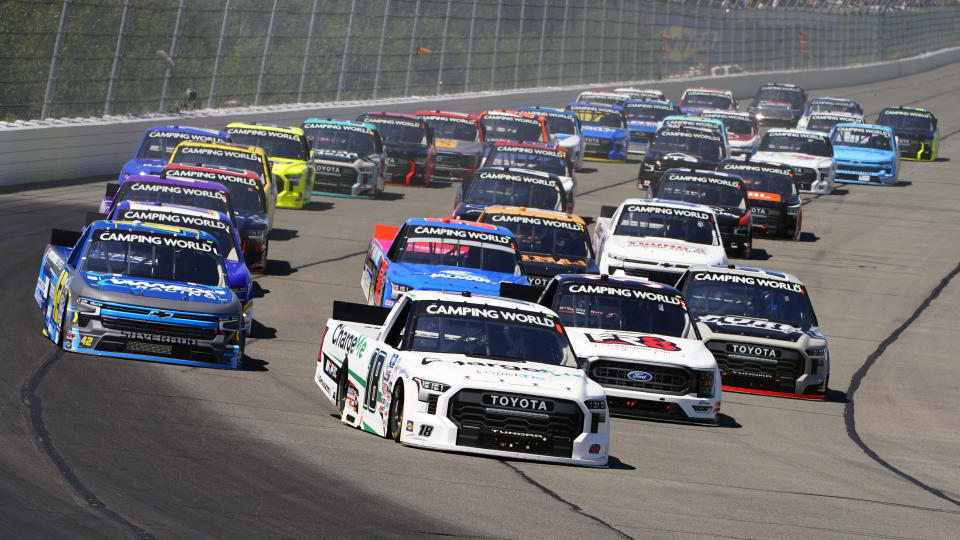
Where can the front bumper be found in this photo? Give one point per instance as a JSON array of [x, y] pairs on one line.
[[114, 334], [914, 149], [774, 222], [811, 180], [407, 172], [735, 238], [791, 375], [639, 141], [670, 395], [866, 173], [453, 166], [597, 149], [344, 180]]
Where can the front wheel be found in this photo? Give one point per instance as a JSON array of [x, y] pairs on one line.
[[342, 390], [746, 249], [395, 422]]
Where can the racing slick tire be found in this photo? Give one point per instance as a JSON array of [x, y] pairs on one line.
[[746, 250], [63, 321], [342, 389], [395, 421]]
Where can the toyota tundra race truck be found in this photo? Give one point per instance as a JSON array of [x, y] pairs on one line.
[[638, 341], [761, 328], [464, 373]]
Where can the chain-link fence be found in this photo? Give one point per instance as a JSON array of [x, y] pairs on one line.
[[69, 58]]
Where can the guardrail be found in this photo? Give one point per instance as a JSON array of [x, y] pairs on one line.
[[104, 57], [51, 150]]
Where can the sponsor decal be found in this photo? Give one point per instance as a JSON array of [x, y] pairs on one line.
[[647, 107], [668, 211], [445, 118], [518, 402], [625, 292], [347, 340], [538, 281], [465, 234], [216, 152], [194, 222], [326, 170], [212, 176], [178, 190], [264, 133], [531, 220], [425, 430], [663, 245], [86, 341], [744, 322], [337, 127], [750, 372], [157, 240], [798, 135], [762, 196], [549, 259], [519, 118], [518, 149], [907, 112], [170, 288], [640, 376], [382, 121], [513, 177], [753, 350], [865, 131], [750, 280], [409, 427], [489, 312], [632, 340], [184, 136], [689, 134], [324, 385], [703, 179], [144, 336], [459, 274]]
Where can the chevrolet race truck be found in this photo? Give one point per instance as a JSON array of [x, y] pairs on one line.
[[637, 340], [464, 373], [288, 151], [158, 143]]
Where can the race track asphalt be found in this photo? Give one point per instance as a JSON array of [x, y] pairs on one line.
[[97, 447]]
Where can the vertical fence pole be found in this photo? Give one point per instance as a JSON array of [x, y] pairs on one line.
[[266, 54], [173, 54], [516, 65], [466, 74], [603, 40], [216, 65], [443, 46], [413, 49], [346, 48], [636, 41], [652, 37], [563, 41], [583, 41], [306, 53], [543, 37], [117, 55], [54, 61], [496, 46], [619, 39], [383, 38]]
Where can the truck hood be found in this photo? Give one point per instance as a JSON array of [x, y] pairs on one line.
[[450, 278], [462, 147], [665, 250], [404, 150], [793, 158], [329, 154], [649, 127], [519, 377], [251, 221], [163, 294], [868, 155], [143, 166], [620, 344], [604, 132], [746, 326]]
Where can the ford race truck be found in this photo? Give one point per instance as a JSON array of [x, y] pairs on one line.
[[464, 373], [459, 141], [761, 328], [141, 291], [638, 341]]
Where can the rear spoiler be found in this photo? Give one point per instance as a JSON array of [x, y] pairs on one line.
[[360, 313], [385, 232], [607, 211], [517, 291], [64, 238], [112, 188]]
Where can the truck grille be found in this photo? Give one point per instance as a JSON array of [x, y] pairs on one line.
[[663, 379], [485, 419], [176, 331], [805, 177], [596, 147], [641, 136], [750, 370], [766, 216], [449, 159], [341, 182], [909, 146]]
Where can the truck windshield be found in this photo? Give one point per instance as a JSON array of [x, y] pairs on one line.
[[487, 331], [770, 300], [543, 235], [663, 222], [547, 161], [617, 307], [173, 194], [542, 193], [275, 144], [332, 138], [693, 142], [708, 193], [797, 143], [435, 250], [153, 256], [161, 144], [511, 129]]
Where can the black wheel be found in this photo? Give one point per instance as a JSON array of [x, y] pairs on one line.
[[746, 250], [342, 389], [63, 321], [395, 422]]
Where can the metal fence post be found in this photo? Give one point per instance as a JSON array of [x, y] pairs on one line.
[[346, 48], [496, 46], [466, 74], [583, 41], [636, 41], [413, 50], [443, 46], [603, 40], [216, 65], [653, 48], [619, 39], [117, 55], [543, 36], [306, 53], [266, 54], [516, 65], [54, 61], [383, 38], [563, 41], [173, 54]]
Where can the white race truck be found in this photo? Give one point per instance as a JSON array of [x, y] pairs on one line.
[[465, 373], [656, 239], [637, 339]]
